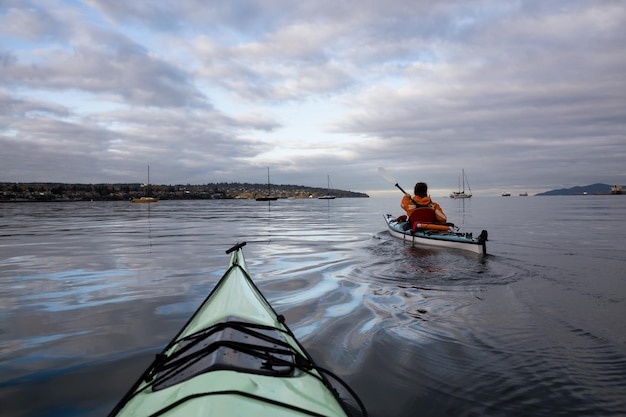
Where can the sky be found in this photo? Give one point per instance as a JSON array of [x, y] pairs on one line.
[[522, 95]]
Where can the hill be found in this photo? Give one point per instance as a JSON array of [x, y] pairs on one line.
[[579, 190]]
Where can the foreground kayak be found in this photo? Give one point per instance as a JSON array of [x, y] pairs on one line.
[[436, 235], [235, 357]]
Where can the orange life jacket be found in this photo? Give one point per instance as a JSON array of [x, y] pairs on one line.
[[423, 202]]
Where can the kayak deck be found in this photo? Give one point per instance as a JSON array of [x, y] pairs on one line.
[[228, 345], [443, 239], [234, 357]]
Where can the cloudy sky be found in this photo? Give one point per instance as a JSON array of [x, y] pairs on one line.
[[524, 95]]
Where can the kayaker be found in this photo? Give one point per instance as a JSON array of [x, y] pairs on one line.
[[423, 200]]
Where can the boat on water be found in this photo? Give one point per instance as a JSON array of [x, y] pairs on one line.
[[524, 194], [461, 193], [328, 195], [268, 196], [146, 198], [236, 357], [506, 194], [443, 235]]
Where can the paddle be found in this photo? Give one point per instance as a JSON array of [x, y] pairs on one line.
[[382, 171]]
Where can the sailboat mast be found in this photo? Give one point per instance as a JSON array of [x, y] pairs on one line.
[[268, 180], [463, 171]]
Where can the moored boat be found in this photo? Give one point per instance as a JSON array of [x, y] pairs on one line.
[[328, 195], [461, 193], [433, 234], [146, 198], [268, 196], [235, 357]]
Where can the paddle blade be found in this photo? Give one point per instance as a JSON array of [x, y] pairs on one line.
[[383, 172]]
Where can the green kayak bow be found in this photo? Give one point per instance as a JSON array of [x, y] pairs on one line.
[[236, 357]]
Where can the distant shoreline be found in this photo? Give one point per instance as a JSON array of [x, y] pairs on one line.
[[160, 199], [67, 192]]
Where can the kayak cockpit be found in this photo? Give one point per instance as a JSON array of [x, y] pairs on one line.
[[231, 344]]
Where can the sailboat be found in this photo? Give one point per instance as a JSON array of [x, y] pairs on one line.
[[268, 196], [146, 199], [328, 195], [462, 193]]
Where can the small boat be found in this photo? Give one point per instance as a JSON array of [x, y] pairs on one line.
[[506, 194], [328, 195], [435, 234], [146, 199], [524, 194], [461, 193], [236, 357], [268, 196]]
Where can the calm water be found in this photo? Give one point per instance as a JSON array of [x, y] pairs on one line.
[[89, 292]]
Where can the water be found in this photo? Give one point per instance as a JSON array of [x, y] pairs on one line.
[[89, 292]]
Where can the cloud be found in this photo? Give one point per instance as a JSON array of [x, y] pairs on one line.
[[520, 94]]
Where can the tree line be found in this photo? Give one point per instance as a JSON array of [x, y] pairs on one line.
[[42, 191]]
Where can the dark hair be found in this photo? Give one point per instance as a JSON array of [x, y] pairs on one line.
[[421, 189]]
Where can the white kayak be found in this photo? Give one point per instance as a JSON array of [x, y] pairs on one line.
[[445, 237]]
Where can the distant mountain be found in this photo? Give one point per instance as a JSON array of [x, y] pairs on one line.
[[589, 189]]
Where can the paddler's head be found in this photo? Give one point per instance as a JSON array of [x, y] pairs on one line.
[[421, 189]]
